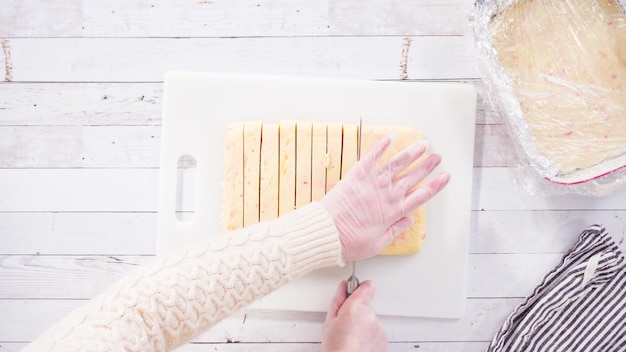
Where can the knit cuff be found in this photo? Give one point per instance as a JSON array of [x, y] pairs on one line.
[[312, 239]]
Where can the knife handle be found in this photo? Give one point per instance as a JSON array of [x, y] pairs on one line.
[[353, 282]]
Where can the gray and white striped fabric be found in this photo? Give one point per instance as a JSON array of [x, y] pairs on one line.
[[579, 306]]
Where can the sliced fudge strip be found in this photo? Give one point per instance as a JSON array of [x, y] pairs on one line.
[[304, 131], [268, 193], [232, 184], [318, 161], [287, 175], [251, 171]]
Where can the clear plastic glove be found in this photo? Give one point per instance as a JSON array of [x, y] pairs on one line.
[[370, 206], [351, 324]]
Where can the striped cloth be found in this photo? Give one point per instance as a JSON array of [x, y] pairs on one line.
[[579, 306]]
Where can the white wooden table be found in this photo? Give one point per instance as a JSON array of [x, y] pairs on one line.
[[80, 110]]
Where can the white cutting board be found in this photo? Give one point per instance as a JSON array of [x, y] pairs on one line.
[[196, 109]]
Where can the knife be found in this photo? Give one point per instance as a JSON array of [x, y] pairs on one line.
[[353, 282]]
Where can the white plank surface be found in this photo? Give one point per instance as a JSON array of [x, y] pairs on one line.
[[306, 347], [82, 277], [132, 233], [483, 316], [147, 59], [80, 115], [99, 146], [82, 104], [133, 189], [163, 18]]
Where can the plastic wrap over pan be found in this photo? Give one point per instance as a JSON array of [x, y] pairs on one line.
[[555, 70]]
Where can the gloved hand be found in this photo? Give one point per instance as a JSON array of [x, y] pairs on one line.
[[351, 324], [370, 206]]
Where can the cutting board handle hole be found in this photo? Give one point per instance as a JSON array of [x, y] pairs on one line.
[[185, 188]]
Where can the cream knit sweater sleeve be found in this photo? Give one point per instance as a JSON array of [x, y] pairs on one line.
[[164, 305]]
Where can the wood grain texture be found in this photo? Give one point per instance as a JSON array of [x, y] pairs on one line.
[[77, 146], [84, 104], [96, 233], [31, 317], [162, 18], [84, 277], [147, 59], [79, 190], [303, 347], [118, 104], [135, 189], [512, 188], [132, 233], [36, 18], [61, 233]]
